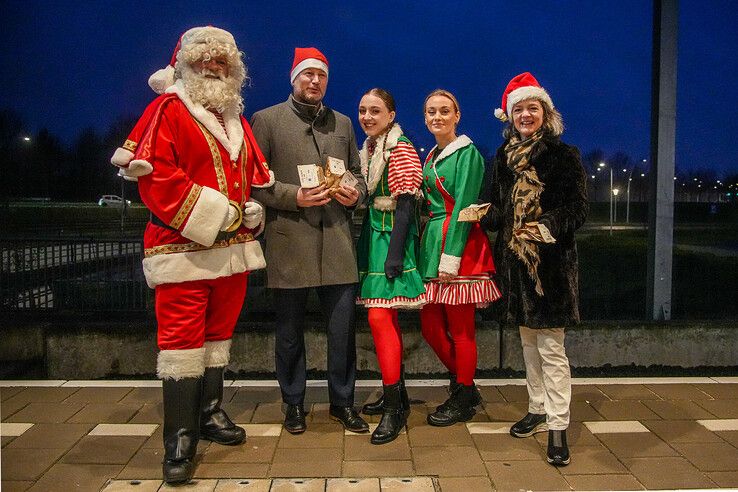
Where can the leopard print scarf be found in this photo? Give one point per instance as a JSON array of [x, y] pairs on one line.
[[526, 195]]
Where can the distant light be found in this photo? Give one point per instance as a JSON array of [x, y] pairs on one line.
[[625, 170], [644, 160], [728, 194], [643, 175], [422, 149], [601, 164], [674, 177], [714, 187], [615, 191], [630, 179], [695, 179], [593, 176], [26, 139], [699, 186]]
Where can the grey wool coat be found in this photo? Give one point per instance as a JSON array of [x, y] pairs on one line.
[[565, 207], [305, 247]]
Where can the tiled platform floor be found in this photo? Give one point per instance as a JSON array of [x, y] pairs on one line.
[[633, 434]]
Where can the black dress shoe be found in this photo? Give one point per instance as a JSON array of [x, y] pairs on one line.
[[558, 451], [531, 424], [294, 419], [349, 418]]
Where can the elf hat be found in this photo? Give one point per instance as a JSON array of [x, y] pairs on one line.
[[520, 88], [307, 58]]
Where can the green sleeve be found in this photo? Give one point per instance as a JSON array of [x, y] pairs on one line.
[[467, 183]]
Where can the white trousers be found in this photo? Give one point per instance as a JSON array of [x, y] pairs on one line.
[[547, 375]]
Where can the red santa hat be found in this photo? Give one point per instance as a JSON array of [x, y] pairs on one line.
[[307, 58], [520, 88], [164, 78]]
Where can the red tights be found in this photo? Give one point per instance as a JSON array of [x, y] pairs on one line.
[[450, 331], [387, 341]]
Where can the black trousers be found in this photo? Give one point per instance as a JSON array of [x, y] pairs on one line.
[[337, 303]]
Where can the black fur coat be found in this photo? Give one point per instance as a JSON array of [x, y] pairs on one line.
[[564, 204]]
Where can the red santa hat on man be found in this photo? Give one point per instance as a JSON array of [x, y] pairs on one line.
[[162, 79], [307, 58], [520, 88]]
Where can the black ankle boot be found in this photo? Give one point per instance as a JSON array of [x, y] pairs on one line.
[[374, 408], [458, 408], [215, 425], [393, 417], [181, 428], [558, 451]]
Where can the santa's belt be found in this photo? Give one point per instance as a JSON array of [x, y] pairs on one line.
[[222, 235]]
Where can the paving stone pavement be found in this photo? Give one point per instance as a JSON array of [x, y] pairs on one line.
[[630, 434]]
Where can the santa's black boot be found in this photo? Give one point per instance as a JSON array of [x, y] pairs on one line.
[[181, 428], [393, 417], [215, 425]]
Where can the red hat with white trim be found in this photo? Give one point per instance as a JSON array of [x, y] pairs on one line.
[[307, 58], [520, 88], [164, 77]]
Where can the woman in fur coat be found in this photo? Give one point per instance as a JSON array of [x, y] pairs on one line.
[[387, 250], [539, 199]]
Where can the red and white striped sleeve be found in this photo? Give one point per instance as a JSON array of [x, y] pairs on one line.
[[405, 173]]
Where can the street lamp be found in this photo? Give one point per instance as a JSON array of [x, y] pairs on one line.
[[615, 192], [602, 165]]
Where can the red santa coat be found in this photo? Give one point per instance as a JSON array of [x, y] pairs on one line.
[[188, 168]]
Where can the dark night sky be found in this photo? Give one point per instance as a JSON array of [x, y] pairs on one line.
[[73, 65]]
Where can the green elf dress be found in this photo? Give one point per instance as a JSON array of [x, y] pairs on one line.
[[391, 167], [452, 179]]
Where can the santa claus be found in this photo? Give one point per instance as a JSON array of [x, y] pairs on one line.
[[195, 161]]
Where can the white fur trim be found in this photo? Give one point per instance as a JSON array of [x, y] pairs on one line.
[[268, 184], [201, 34], [523, 93], [206, 217], [379, 160], [162, 79], [121, 157], [218, 353], [305, 64], [449, 264], [500, 114], [231, 138], [203, 265], [137, 167], [384, 203], [178, 364], [460, 142]]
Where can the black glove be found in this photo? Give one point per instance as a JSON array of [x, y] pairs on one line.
[[395, 253]]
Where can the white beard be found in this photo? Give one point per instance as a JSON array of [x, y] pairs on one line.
[[219, 94]]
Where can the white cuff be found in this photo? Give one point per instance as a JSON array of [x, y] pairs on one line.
[[206, 217], [178, 364], [218, 353], [449, 264]]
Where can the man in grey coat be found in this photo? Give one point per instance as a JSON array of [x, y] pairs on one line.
[[308, 237]]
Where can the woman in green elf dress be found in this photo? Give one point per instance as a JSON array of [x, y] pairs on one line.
[[455, 256], [387, 250]]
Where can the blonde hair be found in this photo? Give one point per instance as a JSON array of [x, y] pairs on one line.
[[444, 93]]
